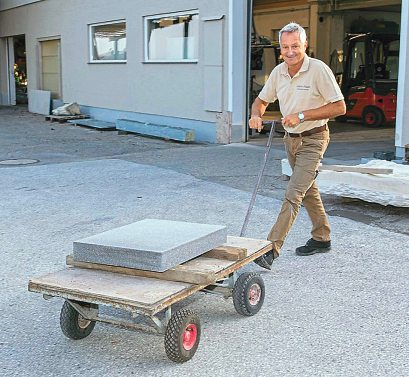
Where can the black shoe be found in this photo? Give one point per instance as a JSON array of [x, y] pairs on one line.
[[312, 246], [266, 260]]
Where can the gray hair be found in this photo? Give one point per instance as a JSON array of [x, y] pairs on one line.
[[293, 27]]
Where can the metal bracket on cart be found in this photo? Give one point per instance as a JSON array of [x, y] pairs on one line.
[[223, 287]]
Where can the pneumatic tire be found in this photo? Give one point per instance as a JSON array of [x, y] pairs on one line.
[[248, 293], [182, 336], [73, 324]]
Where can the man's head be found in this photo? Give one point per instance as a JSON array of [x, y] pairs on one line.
[[293, 43]]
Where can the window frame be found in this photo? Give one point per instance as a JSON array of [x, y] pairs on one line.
[[90, 49], [147, 19]]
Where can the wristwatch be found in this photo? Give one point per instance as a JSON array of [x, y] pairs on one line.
[[301, 116]]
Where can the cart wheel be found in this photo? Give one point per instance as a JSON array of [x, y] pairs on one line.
[[182, 335], [248, 293], [73, 324]]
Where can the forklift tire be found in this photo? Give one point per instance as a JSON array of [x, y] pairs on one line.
[[248, 293], [341, 118], [372, 116], [73, 324], [182, 335]]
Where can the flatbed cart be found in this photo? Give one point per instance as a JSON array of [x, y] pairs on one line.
[[149, 296]]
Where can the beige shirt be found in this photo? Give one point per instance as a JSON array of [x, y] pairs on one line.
[[311, 87]]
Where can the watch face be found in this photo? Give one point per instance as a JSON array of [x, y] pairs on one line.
[[301, 116]]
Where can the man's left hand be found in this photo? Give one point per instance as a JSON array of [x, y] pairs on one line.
[[291, 120]]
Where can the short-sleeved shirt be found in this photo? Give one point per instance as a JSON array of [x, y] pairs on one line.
[[311, 87]]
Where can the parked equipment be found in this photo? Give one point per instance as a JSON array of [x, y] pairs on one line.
[[370, 76]]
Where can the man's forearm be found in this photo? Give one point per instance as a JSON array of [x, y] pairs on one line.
[[258, 108], [330, 110]]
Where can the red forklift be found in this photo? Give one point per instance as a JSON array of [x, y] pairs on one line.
[[370, 77]]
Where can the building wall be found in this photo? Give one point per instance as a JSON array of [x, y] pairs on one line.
[[165, 89], [8, 4]]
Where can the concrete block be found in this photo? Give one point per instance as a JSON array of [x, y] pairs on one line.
[[93, 123], [39, 101], [156, 130], [150, 244]]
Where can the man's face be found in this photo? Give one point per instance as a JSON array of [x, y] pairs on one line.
[[292, 50]]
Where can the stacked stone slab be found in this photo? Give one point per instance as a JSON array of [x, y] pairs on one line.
[[150, 244]]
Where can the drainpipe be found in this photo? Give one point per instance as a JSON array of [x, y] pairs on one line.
[[249, 25], [402, 115]]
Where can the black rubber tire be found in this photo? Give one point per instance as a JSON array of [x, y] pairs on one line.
[[73, 325], [372, 116], [241, 291], [341, 118], [174, 335]]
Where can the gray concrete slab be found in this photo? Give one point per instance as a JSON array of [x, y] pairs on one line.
[[156, 130], [94, 123], [150, 244]]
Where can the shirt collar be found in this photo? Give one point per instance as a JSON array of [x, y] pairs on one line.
[[304, 67]]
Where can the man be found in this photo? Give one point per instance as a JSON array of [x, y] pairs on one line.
[[308, 96]]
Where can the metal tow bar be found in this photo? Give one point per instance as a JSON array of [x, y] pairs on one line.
[[260, 175]]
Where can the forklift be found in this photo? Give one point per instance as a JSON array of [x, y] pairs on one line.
[[370, 77]]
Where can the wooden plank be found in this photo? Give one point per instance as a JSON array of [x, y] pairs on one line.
[[355, 169], [65, 118], [118, 290], [178, 273], [227, 252]]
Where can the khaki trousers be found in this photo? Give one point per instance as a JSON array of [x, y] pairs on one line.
[[304, 155]]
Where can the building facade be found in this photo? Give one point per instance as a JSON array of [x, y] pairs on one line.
[[184, 63]]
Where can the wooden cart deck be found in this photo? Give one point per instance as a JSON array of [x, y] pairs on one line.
[[146, 292]]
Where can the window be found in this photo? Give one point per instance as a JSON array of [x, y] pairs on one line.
[[172, 37], [108, 42]]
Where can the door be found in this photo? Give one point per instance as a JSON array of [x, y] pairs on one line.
[[51, 67], [10, 68]]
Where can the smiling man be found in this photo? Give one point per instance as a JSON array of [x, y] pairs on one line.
[[308, 95]]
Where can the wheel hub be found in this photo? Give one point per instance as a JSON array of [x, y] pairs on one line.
[[82, 322], [254, 294], [189, 337]]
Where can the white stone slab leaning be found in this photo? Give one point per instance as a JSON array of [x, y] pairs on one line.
[[150, 244], [39, 101]]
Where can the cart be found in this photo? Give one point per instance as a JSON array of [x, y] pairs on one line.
[[148, 296]]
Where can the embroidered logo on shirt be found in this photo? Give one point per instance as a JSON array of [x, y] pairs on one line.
[[303, 87]]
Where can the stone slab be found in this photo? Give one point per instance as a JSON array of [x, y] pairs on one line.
[[150, 244], [94, 123], [39, 101], [385, 189], [156, 130]]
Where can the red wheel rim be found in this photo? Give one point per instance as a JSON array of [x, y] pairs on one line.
[[254, 294], [370, 118], [189, 336]]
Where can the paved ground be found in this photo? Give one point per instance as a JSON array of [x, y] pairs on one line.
[[340, 314]]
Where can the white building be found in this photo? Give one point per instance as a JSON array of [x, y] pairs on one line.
[[179, 63]]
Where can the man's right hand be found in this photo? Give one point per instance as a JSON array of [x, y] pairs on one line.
[[256, 122]]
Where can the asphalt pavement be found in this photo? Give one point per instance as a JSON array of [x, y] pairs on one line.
[[344, 313]]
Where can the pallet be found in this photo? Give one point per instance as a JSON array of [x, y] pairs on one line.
[[64, 118]]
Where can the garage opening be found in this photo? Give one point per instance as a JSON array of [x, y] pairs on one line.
[[370, 63]]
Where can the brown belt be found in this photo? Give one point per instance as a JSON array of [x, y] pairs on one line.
[[313, 131]]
